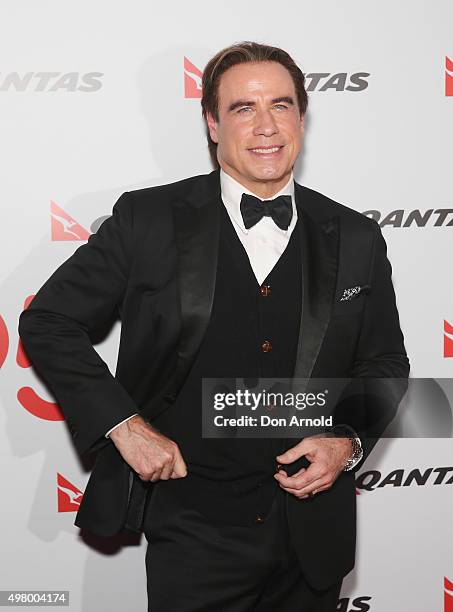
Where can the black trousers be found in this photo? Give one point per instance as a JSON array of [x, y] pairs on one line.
[[195, 565]]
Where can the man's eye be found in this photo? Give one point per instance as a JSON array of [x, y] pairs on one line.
[[244, 108], [281, 106]]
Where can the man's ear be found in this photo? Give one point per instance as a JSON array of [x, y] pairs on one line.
[[302, 123], [212, 127]]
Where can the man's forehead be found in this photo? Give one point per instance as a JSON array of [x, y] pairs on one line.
[[256, 78], [255, 72]]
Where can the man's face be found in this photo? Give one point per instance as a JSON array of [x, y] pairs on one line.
[[259, 131]]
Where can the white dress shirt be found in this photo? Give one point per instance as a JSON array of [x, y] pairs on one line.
[[265, 242]]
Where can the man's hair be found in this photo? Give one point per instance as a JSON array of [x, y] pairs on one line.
[[241, 53]]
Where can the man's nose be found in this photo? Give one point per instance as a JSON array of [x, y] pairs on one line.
[[265, 124]]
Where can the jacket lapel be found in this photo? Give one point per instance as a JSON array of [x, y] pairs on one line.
[[197, 225], [319, 240]]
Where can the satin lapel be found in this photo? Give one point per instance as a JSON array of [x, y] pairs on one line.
[[196, 224], [319, 254]]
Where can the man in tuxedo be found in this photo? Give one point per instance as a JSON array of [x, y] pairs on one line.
[[238, 273]]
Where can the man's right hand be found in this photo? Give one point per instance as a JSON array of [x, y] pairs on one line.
[[150, 454]]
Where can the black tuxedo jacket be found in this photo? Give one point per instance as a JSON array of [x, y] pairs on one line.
[[153, 263]]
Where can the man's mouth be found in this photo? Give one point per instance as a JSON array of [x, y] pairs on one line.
[[267, 151]]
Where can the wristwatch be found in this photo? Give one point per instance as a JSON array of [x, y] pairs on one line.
[[344, 431]]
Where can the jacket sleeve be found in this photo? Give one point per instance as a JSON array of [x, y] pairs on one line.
[[381, 367], [79, 297]]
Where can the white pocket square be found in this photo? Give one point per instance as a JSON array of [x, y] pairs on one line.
[[352, 292]]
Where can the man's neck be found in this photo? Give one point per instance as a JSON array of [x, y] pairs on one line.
[[262, 189]]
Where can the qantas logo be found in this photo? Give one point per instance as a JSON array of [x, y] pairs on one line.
[[51, 81], [373, 479], [358, 604], [448, 595], [65, 227], [68, 495], [315, 81], [448, 339], [340, 81], [448, 77], [192, 80], [418, 218]]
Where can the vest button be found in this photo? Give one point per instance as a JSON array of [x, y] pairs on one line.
[[259, 519], [265, 290], [266, 347]]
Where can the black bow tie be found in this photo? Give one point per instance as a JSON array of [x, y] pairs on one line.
[[253, 209]]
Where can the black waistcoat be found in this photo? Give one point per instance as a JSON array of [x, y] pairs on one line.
[[232, 479]]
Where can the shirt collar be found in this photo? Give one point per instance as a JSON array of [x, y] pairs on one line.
[[232, 191]]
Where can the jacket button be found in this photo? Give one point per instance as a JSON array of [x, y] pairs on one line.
[[259, 519], [265, 290], [266, 346]]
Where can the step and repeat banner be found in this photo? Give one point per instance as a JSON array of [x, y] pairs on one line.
[[101, 98]]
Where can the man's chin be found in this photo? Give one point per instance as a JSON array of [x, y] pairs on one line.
[[270, 175], [257, 175]]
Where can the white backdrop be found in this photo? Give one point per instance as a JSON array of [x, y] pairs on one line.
[[93, 103]]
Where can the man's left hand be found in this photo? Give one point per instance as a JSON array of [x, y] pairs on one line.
[[327, 456]]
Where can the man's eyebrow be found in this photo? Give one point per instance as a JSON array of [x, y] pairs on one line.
[[234, 105], [287, 99], [238, 103]]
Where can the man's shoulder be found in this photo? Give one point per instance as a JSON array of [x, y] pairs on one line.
[[323, 207], [154, 204], [169, 191]]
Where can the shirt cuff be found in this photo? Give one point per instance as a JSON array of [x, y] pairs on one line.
[[118, 424]]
